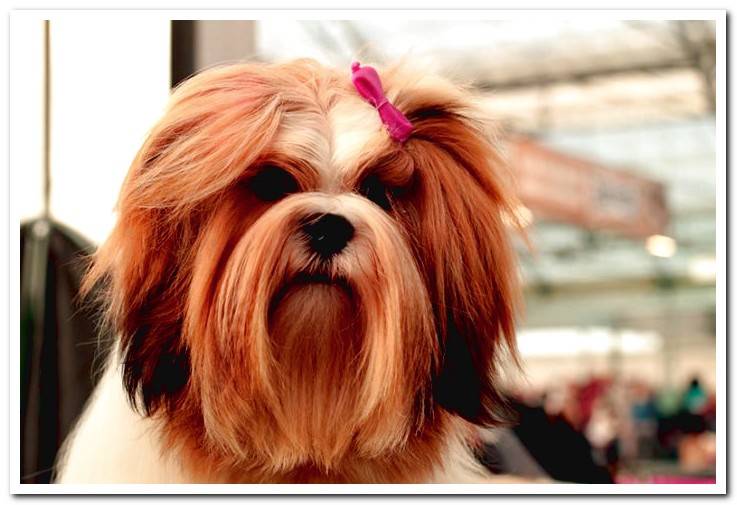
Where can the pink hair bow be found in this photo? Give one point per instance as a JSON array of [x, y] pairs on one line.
[[367, 83]]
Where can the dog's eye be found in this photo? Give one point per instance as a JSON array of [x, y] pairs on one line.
[[376, 191], [272, 183]]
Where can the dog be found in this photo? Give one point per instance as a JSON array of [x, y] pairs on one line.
[[301, 293]]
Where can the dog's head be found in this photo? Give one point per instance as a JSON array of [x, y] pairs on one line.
[[293, 285]]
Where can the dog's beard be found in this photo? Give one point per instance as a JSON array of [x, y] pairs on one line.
[[307, 359], [317, 343]]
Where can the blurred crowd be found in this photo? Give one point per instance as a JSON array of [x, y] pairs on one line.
[[601, 430]]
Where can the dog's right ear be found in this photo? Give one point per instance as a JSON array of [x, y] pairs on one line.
[[136, 270], [145, 265]]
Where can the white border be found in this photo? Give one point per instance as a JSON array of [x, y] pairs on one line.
[[432, 14], [719, 16], [721, 252]]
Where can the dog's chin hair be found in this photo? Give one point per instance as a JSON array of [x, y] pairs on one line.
[[317, 343]]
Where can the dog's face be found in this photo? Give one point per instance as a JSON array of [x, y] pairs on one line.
[[291, 286]]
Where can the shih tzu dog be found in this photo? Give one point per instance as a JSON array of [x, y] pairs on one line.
[[310, 280]]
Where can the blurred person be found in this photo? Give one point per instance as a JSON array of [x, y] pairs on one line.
[[644, 418], [667, 403], [690, 418], [588, 394], [602, 432], [694, 398], [571, 409]]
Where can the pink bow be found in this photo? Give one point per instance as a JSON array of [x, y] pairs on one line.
[[367, 83]]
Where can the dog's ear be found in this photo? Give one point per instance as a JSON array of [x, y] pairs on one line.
[[463, 205], [477, 333], [136, 268], [467, 383], [216, 124]]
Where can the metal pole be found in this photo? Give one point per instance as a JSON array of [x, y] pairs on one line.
[[47, 122]]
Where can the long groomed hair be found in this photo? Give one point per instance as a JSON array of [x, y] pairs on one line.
[[257, 375]]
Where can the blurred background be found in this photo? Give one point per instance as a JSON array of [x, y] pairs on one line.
[[608, 125]]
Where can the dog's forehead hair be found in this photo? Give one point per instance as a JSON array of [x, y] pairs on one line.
[[334, 129], [332, 139], [355, 130]]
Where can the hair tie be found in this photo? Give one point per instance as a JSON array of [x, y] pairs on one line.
[[367, 83]]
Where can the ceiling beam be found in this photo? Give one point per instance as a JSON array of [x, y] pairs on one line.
[[583, 75]]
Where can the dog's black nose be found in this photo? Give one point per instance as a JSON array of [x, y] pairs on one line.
[[328, 234]]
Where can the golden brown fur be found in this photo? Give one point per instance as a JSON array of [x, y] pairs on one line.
[[257, 375]]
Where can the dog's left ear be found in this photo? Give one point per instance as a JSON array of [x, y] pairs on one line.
[[477, 336], [471, 269], [467, 384]]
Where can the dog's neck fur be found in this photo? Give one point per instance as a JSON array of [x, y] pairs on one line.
[[114, 444]]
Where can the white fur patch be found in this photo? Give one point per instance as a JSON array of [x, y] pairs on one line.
[[113, 444], [354, 125]]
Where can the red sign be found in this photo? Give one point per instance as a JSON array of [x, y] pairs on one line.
[[561, 187]]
